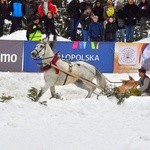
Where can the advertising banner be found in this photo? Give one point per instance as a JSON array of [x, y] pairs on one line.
[[11, 55], [30, 65], [101, 55], [129, 57]]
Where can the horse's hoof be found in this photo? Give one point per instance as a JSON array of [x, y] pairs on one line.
[[36, 99], [57, 96]]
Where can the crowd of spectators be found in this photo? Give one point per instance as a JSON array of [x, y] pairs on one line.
[[37, 16], [115, 20], [99, 22]]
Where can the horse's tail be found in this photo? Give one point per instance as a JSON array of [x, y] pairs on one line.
[[101, 79]]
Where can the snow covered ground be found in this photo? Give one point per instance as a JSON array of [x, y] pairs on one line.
[[72, 123], [21, 35]]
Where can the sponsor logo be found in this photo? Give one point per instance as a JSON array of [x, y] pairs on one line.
[[78, 57], [128, 56], [8, 58]]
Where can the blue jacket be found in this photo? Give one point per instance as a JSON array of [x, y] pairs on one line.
[[95, 30]]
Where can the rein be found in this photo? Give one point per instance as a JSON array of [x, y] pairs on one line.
[[113, 81], [43, 58]]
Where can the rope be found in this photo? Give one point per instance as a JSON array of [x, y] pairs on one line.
[[113, 81]]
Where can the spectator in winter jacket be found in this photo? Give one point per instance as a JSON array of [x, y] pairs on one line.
[[143, 13], [31, 9], [131, 13], [95, 30], [34, 30], [50, 26], [109, 10], [98, 11], [120, 22], [73, 10], [17, 10], [4, 14], [110, 31], [45, 6], [144, 83], [85, 20]]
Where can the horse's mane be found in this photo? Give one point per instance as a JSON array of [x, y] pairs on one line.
[[46, 41]]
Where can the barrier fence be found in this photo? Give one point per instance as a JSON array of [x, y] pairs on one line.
[[108, 57]]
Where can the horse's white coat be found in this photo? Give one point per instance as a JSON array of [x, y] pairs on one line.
[[79, 68]]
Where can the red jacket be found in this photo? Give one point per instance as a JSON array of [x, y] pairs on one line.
[[51, 7]]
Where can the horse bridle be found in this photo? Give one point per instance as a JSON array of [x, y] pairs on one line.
[[44, 47]]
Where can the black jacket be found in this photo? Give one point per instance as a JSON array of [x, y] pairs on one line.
[[131, 13], [144, 9], [120, 18], [110, 31], [49, 26], [74, 9], [85, 20], [5, 11]]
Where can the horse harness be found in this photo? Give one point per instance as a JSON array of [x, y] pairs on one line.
[[48, 65], [54, 61], [70, 70]]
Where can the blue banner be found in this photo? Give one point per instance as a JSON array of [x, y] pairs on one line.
[[101, 55], [30, 65]]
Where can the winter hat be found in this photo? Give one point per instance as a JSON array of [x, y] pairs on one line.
[[34, 18], [142, 70], [88, 7]]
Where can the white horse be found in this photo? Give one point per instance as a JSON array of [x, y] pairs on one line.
[[54, 76]]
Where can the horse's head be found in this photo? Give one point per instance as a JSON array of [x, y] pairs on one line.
[[42, 50]]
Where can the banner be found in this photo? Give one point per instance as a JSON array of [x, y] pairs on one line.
[[129, 57], [101, 55], [11, 55], [30, 65]]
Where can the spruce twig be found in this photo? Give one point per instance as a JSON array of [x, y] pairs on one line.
[[5, 98], [32, 94]]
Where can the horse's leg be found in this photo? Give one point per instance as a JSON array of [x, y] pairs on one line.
[[52, 90], [42, 91], [90, 90], [53, 93]]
